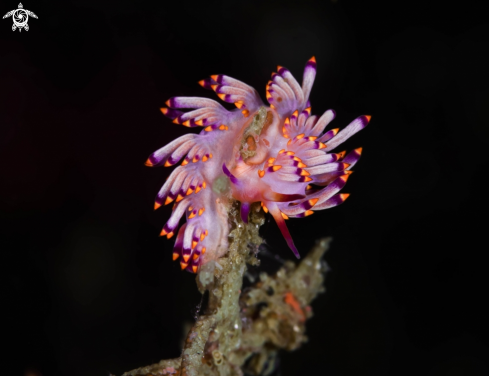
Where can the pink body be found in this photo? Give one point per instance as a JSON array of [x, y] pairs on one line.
[[277, 155]]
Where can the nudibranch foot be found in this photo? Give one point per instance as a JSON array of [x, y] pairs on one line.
[[245, 211]]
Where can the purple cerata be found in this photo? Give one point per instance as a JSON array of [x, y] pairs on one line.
[[277, 155]]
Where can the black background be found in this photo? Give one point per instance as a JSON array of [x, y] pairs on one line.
[[89, 288]]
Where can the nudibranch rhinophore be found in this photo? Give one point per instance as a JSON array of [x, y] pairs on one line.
[[277, 155]]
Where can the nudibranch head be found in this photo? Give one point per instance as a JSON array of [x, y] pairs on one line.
[[278, 155]]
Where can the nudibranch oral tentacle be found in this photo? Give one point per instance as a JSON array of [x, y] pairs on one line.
[[279, 155]]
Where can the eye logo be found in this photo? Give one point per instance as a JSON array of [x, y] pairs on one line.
[[20, 17]]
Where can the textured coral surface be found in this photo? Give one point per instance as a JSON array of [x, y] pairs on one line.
[[276, 155], [242, 331]]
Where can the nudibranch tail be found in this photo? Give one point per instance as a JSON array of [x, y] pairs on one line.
[[280, 155], [278, 216]]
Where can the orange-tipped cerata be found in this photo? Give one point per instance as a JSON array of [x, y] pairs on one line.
[[262, 150]]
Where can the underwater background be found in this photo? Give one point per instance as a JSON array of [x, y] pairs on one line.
[[87, 285]]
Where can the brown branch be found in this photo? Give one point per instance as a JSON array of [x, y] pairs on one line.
[[243, 330]]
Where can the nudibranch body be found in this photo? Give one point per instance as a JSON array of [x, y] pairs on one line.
[[278, 155]]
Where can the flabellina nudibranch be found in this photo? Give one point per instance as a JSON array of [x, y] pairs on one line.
[[277, 155]]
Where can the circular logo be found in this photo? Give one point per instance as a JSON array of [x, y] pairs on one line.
[[20, 17]]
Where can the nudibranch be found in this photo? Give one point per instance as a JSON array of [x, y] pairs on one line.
[[278, 155]]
